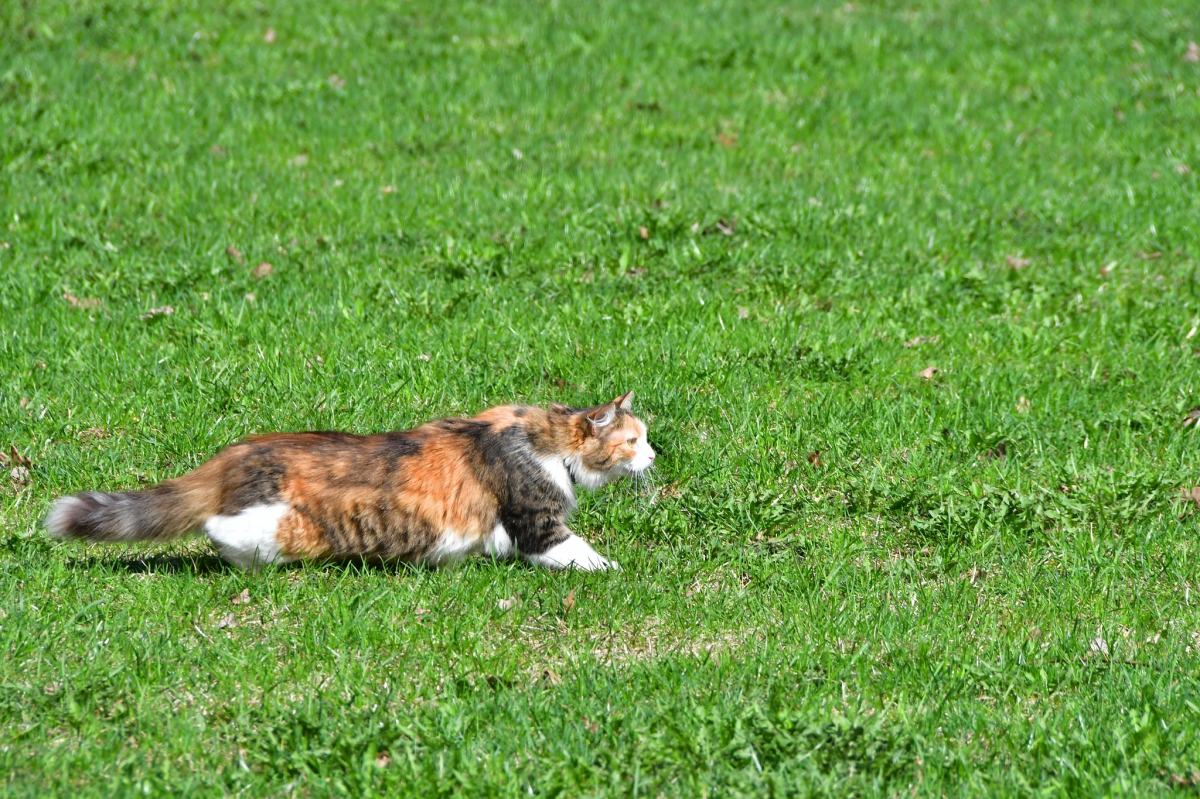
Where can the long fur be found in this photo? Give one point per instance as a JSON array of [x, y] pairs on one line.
[[168, 510], [501, 481]]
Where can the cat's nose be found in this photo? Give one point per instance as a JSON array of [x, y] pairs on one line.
[[652, 456]]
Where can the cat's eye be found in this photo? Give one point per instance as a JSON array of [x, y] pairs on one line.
[[632, 442]]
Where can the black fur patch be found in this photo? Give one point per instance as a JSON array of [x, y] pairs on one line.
[[399, 445], [254, 478], [533, 508]]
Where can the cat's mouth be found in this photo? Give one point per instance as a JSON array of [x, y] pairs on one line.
[[633, 468]]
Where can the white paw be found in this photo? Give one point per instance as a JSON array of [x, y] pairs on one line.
[[574, 553]]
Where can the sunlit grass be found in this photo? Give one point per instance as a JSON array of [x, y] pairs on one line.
[[842, 577]]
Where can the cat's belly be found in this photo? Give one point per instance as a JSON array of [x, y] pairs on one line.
[[249, 538], [279, 533], [453, 547]]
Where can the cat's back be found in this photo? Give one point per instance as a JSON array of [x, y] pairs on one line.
[[444, 452]]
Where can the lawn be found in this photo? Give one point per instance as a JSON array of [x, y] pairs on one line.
[[907, 294]]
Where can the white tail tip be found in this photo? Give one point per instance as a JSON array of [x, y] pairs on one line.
[[61, 517]]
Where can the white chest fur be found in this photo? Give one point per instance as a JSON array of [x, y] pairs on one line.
[[554, 467]]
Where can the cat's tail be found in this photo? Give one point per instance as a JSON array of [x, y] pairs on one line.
[[168, 510]]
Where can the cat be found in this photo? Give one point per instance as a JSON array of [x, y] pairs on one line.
[[500, 484]]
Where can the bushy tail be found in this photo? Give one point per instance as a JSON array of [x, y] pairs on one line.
[[168, 510]]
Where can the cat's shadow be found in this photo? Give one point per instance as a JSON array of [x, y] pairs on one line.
[[200, 565], [156, 564]]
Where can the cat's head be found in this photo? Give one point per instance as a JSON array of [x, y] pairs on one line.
[[610, 442]]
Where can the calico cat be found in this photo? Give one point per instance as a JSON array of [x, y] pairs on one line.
[[501, 483]]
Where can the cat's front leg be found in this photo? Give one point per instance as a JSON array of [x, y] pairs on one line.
[[572, 553], [542, 537]]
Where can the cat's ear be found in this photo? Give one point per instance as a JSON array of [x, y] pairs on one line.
[[625, 401], [601, 417]]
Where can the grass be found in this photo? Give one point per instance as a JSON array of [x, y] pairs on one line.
[[765, 219]]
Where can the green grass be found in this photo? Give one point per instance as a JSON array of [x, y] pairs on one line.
[[985, 582]]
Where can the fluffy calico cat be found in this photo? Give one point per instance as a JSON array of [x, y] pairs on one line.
[[501, 483]]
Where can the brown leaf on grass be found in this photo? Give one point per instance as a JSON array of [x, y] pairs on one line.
[[976, 574], [389, 189], [569, 602], [1183, 781], [420, 612], [726, 227], [233, 253], [726, 139], [251, 296], [1107, 269], [921, 341], [670, 491], [14, 458], [549, 677], [92, 434], [165, 310], [505, 604], [1023, 404], [269, 36], [814, 458], [742, 312], [229, 621], [242, 598], [1192, 56], [1190, 495], [299, 160], [217, 151], [85, 304], [1118, 114], [24, 403], [643, 232], [1016, 262], [262, 270], [18, 466], [996, 453], [336, 83], [1149, 256], [383, 759], [1182, 169], [1193, 417], [929, 372]]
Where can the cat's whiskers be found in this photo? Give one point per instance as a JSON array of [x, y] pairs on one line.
[[645, 486]]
